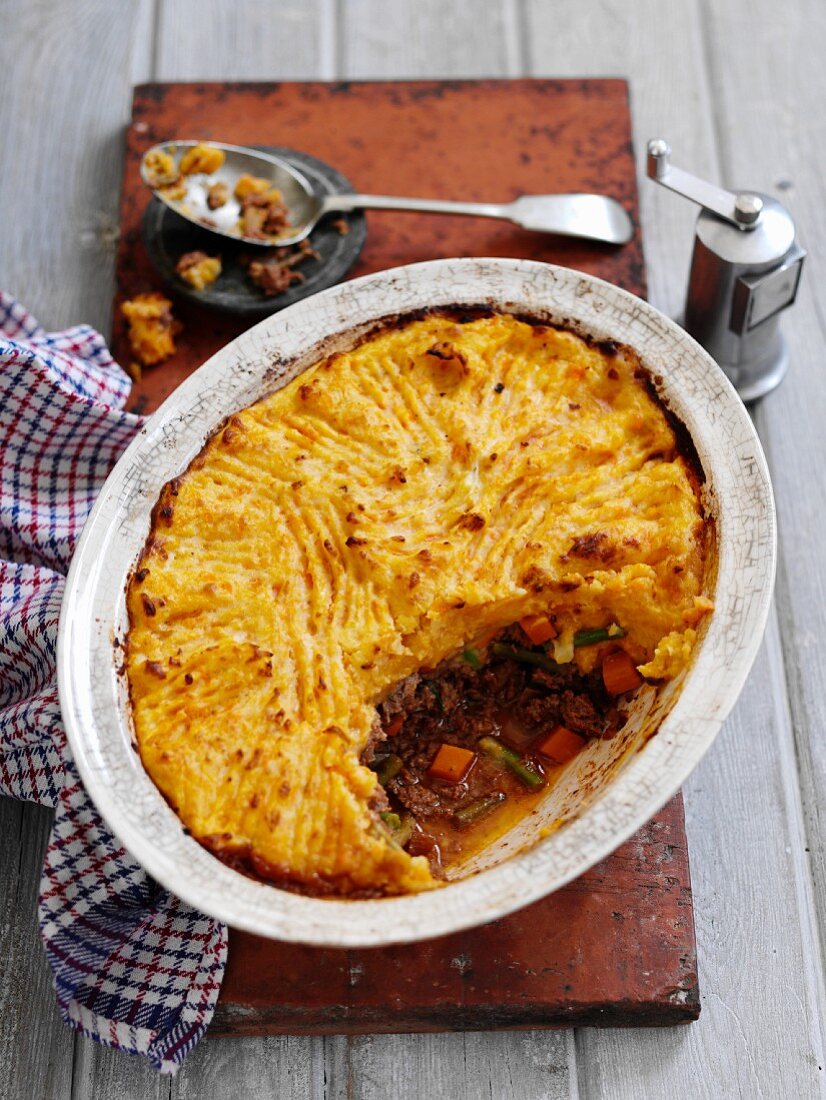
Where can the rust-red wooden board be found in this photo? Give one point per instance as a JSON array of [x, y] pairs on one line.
[[617, 946], [475, 140]]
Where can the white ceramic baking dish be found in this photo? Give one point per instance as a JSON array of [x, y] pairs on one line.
[[608, 791]]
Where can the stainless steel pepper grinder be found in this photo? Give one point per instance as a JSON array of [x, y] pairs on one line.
[[744, 272]]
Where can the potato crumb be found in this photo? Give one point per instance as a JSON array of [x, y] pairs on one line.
[[174, 192], [159, 168], [152, 327], [673, 653], [202, 158], [198, 269], [251, 185], [217, 195]]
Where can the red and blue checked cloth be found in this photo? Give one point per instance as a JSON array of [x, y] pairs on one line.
[[133, 966]]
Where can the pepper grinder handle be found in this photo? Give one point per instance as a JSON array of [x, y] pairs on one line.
[[741, 209]]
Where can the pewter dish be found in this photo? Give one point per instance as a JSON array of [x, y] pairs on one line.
[[608, 792], [167, 236]]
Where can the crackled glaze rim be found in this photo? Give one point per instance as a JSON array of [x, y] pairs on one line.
[[95, 710]]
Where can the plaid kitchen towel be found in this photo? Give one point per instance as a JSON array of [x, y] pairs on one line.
[[133, 966]]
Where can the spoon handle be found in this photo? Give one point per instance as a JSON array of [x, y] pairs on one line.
[[590, 217], [344, 203]]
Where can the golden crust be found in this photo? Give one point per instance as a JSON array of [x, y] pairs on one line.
[[382, 510]]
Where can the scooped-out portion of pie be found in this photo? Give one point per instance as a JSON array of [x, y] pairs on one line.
[[388, 603]]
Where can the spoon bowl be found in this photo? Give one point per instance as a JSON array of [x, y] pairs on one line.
[[296, 191]]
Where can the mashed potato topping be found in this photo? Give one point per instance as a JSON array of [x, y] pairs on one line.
[[385, 509]]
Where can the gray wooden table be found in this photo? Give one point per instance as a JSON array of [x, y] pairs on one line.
[[738, 86]]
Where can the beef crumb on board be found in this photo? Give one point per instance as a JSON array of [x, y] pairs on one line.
[[276, 272]]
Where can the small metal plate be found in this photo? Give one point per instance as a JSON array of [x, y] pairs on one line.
[[167, 236]]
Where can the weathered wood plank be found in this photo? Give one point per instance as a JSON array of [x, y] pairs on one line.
[[100, 1072], [246, 40], [524, 1065], [218, 1062], [278, 1068], [668, 97], [427, 38], [415, 39], [251, 40], [753, 914], [35, 1047], [776, 145], [144, 41], [62, 129]]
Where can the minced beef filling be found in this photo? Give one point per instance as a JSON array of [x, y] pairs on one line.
[[459, 704]]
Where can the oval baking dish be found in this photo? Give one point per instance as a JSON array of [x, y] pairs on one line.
[[603, 795]]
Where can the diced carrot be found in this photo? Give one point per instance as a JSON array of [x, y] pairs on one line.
[[561, 745], [451, 763], [538, 628], [619, 673], [395, 726]]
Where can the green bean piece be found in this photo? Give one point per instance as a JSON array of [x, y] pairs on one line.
[[437, 694], [471, 657], [524, 656], [401, 828], [388, 767], [467, 815], [599, 634], [405, 830], [522, 769]]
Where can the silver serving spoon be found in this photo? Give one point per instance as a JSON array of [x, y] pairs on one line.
[[592, 217]]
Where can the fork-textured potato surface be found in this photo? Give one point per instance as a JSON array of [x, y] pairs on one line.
[[378, 513]]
